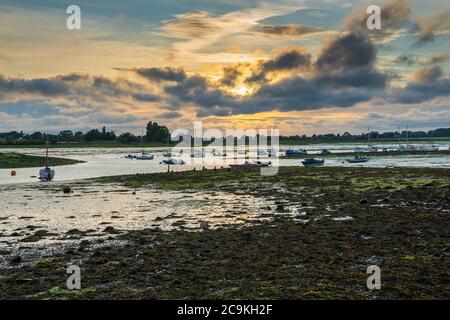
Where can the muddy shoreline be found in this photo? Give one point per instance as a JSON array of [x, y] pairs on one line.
[[324, 227]]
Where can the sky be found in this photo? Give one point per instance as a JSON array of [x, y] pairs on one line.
[[304, 66]]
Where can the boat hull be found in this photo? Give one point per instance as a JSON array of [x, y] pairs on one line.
[[313, 162], [46, 174]]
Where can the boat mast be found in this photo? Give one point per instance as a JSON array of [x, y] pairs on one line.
[[168, 155], [46, 156], [142, 142], [407, 128]]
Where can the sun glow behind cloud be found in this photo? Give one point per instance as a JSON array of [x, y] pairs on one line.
[[230, 59]]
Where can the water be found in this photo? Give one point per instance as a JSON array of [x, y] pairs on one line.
[[109, 161]]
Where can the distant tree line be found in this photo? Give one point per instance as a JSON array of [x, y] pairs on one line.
[[373, 135], [155, 133]]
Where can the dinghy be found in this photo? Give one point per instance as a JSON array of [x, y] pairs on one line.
[[313, 162], [357, 159]]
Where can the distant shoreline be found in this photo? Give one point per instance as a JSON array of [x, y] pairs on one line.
[[103, 144]]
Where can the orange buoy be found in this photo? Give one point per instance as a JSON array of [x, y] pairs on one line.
[[66, 189], [13, 173]]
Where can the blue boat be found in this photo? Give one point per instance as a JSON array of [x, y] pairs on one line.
[[313, 162], [291, 152]]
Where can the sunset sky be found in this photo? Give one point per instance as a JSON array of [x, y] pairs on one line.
[[305, 66]]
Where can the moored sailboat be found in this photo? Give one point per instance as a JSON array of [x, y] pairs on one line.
[[46, 174]]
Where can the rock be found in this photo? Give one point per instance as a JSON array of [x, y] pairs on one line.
[[204, 225], [41, 233], [110, 229], [176, 282], [16, 259], [73, 231]]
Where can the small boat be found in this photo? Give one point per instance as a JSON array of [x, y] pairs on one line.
[[144, 156], [130, 156], [325, 151], [198, 154], [357, 159], [264, 153], [291, 152], [313, 162], [173, 161], [250, 164], [46, 174], [219, 154]]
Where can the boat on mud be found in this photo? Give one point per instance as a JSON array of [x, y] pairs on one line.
[[357, 159], [144, 156], [173, 161], [46, 174], [250, 164], [266, 153], [313, 162], [325, 151], [291, 152], [198, 154]]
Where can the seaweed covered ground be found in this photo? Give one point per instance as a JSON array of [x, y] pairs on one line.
[[347, 219], [12, 160]]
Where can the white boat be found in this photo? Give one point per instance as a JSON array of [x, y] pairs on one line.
[[46, 174], [145, 156], [250, 164], [357, 159], [173, 161]]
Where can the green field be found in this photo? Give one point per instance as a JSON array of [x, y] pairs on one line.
[[11, 160], [95, 144]]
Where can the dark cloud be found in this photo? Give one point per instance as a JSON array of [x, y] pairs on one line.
[[45, 87], [231, 75], [145, 97], [433, 24], [428, 74], [162, 74], [437, 59], [405, 59], [421, 92], [364, 77], [76, 87], [429, 83], [287, 30], [170, 115], [290, 59], [353, 50]]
